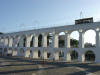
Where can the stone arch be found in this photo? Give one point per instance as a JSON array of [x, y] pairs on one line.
[[56, 55], [11, 39], [22, 52], [72, 55], [40, 40], [89, 38], [89, 55], [6, 40], [74, 39], [61, 39]]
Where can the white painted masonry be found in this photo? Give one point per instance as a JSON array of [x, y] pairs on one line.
[[14, 43]]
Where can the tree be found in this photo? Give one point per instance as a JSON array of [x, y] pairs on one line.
[[74, 43], [61, 43], [88, 45], [1, 33]]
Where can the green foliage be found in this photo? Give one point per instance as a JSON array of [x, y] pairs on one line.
[[1, 33], [74, 55], [61, 43], [88, 45], [74, 43]]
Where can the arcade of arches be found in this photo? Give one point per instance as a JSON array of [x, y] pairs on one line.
[[70, 45]]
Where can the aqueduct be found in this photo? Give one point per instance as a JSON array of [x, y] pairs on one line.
[[45, 43]]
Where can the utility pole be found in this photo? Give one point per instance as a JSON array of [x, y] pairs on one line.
[[81, 15]]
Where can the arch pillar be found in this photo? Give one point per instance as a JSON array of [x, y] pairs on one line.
[[35, 41], [35, 54], [9, 51], [97, 38], [45, 54], [10, 41], [68, 57], [28, 40], [27, 53], [44, 40], [56, 55], [97, 56], [67, 39], [55, 40], [81, 39], [81, 57], [65, 56], [6, 40], [14, 53]]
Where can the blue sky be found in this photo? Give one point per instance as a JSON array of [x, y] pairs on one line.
[[19, 15]]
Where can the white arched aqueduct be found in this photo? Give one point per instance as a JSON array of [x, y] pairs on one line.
[[52, 43]]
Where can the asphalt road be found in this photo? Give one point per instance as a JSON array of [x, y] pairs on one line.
[[26, 66]]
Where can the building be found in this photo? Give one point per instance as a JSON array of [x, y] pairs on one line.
[[44, 43]]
